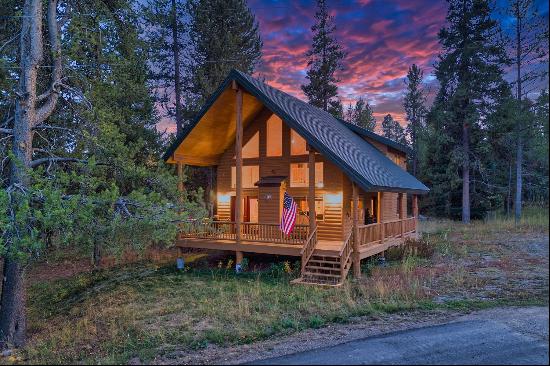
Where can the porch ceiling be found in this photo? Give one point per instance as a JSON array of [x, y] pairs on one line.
[[215, 131]]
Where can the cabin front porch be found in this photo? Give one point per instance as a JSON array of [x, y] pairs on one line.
[[324, 262]]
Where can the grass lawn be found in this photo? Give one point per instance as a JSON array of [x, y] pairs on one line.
[[142, 311]]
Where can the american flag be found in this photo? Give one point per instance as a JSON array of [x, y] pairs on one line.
[[288, 219]]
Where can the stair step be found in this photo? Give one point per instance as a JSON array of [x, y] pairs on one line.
[[314, 274], [325, 258], [324, 262], [323, 268]]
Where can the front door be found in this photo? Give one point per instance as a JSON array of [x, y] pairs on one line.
[[249, 206]]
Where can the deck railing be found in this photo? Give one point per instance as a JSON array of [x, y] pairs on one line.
[[227, 230], [369, 233], [378, 232]]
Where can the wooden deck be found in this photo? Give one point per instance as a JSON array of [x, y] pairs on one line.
[[323, 247], [324, 262]]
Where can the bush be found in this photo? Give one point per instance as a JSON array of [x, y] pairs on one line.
[[411, 248]]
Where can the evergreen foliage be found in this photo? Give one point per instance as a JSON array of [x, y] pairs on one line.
[[223, 35], [470, 75], [414, 105], [324, 60], [162, 27], [393, 130], [361, 115]]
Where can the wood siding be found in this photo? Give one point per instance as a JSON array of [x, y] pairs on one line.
[[330, 228]]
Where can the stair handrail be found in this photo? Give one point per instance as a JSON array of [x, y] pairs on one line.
[[345, 254], [309, 248]]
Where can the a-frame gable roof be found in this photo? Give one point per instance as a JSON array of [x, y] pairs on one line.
[[360, 160]]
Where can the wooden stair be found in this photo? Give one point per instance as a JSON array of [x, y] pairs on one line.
[[322, 270], [327, 270]]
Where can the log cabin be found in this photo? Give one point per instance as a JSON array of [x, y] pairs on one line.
[[350, 185]]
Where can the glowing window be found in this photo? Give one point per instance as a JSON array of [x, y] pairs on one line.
[[252, 148], [303, 209], [299, 175], [251, 174], [274, 136], [297, 144]]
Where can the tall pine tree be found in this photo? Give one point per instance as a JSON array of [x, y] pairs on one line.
[[224, 35], [530, 53], [469, 71], [415, 110], [324, 59], [163, 29]]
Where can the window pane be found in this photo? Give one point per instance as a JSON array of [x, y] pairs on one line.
[[319, 175], [319, 209], [252, 147], [299, 175], [297, 144], [251, 174], [274, 136]]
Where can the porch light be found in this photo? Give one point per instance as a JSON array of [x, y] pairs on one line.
[[333, 198], [223, 198]]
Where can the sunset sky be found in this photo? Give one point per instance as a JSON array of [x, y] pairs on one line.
[[382, 39]]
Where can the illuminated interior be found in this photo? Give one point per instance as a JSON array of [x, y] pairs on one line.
[[297, 144], [299, 175], [274, 138]]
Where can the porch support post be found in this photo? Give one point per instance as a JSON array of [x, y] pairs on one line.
[[401, 213], [311, 193], [379, 217], [238, 169], [356, 254], [180, 176], [415, 211]]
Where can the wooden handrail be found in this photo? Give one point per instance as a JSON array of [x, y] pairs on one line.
[[309, 248], [345, 255]]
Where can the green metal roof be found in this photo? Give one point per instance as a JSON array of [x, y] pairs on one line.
[[337, 140]]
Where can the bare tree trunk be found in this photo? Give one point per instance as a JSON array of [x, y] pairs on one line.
[[519, 179], [519, 147], [27, 116], [465, 175], [13, 324], [509, 196], [97, 255], [177, 81], [415, 146]]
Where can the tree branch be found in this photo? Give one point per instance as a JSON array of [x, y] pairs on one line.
[[7, 131], [41, 161], [51, 99]]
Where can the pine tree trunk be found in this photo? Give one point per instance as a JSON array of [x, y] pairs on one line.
[[509, 196], [519, 180], [12, 308], [415, 147], [97, 255], [13, 325], [519, 147], [465, 175], [177, 81], [27, 115]]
